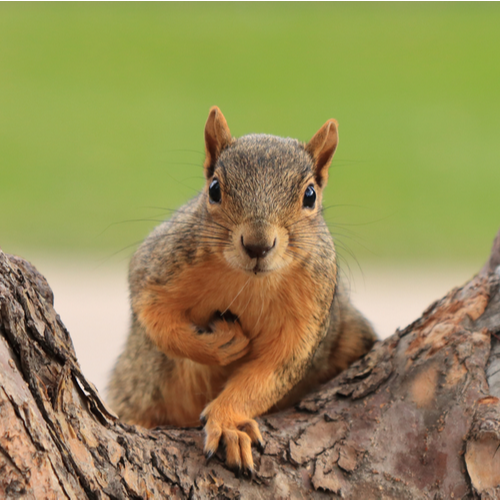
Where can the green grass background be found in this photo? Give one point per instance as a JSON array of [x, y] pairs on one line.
[[102, 108]]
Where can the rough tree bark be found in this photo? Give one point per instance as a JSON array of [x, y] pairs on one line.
[[418, 417]]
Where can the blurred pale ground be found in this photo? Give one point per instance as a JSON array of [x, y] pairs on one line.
[[92, 301], [102, 107]]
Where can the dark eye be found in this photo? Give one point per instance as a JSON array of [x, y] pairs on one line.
[[214, 191], [309, 197]]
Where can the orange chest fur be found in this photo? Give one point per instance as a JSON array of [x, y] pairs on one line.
[[263, 304]]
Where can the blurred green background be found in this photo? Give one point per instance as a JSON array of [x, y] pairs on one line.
[[102, 109]]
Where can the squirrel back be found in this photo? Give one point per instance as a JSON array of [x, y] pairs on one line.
[[236, 304]]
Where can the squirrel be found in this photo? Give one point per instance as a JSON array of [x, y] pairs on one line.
[[237, 306]]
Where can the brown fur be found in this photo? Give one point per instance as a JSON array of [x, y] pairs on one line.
[[218, 331]]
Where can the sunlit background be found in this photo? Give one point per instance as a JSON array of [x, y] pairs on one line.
[[102, 109]]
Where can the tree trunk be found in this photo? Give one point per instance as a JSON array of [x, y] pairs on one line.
[[418, 417]]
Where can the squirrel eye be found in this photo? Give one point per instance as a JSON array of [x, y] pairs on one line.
[[309, 197], [214, 191]]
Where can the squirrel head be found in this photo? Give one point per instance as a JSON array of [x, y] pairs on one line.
[[263, 194]]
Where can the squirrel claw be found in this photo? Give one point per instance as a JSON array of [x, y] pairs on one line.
[[237, 471], [260, 446], [249, 472], [208, 456], [227, 315]]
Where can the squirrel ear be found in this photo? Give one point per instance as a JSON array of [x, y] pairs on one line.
[[322, 147], [217, 137]]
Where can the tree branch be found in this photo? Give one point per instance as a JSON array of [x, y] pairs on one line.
[[418, 417]]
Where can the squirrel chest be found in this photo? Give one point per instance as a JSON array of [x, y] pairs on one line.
[[269, 306]]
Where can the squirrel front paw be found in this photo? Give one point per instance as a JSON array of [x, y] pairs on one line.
[[223, 343], [236, 432]]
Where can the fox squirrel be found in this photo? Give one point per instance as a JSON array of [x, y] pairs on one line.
[[237, 309]]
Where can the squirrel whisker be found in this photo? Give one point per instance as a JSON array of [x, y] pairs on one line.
[[237, 295]]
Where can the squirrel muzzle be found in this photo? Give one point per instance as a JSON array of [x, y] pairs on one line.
[[258, 246]]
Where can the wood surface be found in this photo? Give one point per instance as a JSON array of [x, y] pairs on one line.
[[418, 417]]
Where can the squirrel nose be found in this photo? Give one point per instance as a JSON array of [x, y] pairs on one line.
[[257, 251]]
